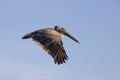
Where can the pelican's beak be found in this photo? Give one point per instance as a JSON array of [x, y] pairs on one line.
[[70, 36]]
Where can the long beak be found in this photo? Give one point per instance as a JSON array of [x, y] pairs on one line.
[[70, 36]]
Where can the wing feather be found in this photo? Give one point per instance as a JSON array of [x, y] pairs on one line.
[[53, 45]]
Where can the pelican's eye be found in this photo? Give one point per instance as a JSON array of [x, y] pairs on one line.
[[57, 28]]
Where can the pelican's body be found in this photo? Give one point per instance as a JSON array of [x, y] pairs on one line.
[[51, 41]]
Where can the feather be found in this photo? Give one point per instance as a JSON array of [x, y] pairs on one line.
[[53, 45]]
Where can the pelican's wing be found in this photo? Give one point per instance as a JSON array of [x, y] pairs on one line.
[[53, 45]]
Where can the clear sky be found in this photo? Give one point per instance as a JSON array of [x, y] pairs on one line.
[[95, 23]]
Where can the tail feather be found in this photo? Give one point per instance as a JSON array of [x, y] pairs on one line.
[[27, 36]]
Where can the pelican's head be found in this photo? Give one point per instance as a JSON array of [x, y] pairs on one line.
[[62, 30]]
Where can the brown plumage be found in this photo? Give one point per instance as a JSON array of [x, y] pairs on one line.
[[50, 40]]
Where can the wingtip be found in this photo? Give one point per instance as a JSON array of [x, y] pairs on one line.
[[26, 36]]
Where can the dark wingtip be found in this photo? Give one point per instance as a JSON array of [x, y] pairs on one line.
[[61, 61], [26, 36]]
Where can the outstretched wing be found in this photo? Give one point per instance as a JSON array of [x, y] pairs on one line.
[[53, 45]]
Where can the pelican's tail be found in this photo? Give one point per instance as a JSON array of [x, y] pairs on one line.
[[28, 35]]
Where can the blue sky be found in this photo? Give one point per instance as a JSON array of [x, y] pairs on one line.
[[95, 23]]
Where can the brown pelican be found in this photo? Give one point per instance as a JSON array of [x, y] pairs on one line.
[[51, 41]]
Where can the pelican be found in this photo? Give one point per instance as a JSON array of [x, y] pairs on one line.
[[50, 39]]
